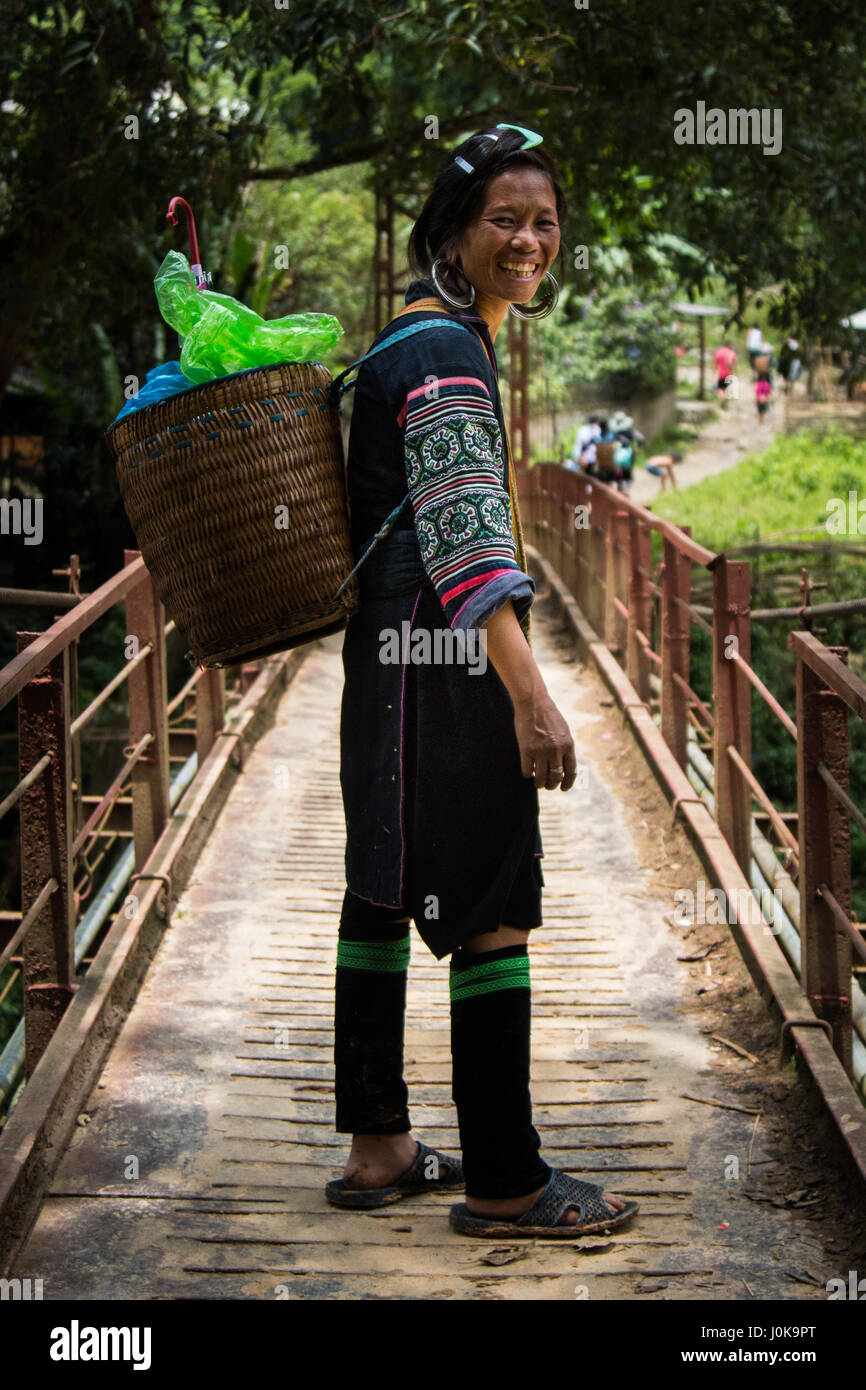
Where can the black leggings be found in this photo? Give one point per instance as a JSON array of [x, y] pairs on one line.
[[490, 1032]]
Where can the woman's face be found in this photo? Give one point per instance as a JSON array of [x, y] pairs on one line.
[[512, 243]]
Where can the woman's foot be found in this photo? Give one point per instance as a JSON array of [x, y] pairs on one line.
[[377, 1160], [510, 1208]]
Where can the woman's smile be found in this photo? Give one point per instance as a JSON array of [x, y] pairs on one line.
[[519, 270]]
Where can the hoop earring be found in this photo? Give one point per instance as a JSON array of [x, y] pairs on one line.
[[545, 307], [449, 298]]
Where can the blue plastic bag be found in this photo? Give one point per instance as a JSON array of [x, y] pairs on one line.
[[165, 380]]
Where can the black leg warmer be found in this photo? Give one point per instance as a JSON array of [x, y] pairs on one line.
[[370, 1004], [490, 1028]]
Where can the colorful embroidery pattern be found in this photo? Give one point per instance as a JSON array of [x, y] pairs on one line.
[[456, 473]]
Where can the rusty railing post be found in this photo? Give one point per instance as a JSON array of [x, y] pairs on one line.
[[581, 542], [558, 480], [676, 635], [73, 576], [616, 577], [732, 697], [824, 834], [46, 853], [609, 618], [148, 702], [210, 692], [541, 515], [566, 514], [639, 606], [598, 557], [549, 516]]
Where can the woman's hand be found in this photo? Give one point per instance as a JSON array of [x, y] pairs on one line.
[[546, 746]]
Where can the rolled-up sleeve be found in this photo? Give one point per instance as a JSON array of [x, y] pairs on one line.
[[456, 471]]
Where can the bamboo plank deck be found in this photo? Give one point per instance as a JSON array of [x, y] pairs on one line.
[[198, 1167]]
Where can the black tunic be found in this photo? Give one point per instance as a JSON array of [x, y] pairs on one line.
[[440, 820]]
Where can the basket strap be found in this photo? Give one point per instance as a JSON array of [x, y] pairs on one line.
[[382, 532], [339, 384]]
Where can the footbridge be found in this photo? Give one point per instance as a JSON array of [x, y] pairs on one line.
[[699, 1033]]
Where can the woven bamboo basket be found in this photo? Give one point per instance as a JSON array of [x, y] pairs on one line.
[[236, 493]]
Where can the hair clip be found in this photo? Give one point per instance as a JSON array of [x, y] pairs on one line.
[[530, 137], [529, 141]]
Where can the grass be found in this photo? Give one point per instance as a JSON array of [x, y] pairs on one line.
[[782, 494], [783, 491]]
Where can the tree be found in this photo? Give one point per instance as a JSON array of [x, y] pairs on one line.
[[603, 84]]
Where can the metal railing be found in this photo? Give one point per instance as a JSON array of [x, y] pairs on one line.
[[65, 835], [600, 543]]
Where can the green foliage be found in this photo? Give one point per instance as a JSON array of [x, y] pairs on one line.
[[782, 493], [786, 490], [12, 1006], [625, 342], [323, 228]]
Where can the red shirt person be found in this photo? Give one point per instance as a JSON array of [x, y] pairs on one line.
[[726, 360]]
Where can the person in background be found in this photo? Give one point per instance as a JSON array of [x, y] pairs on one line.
[[590, 466], [790, 365], [726, 360], [626, 440], [583, 455], [662, 466], [754, 343], [763, 393]]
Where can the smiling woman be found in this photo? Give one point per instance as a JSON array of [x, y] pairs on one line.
[[441, 765]]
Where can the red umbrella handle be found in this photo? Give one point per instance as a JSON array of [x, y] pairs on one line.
[[171, 216]]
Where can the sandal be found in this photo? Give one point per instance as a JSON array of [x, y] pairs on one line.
[[449, 1174], [542, 1218]]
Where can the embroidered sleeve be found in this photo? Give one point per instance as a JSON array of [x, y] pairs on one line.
[[457, 480]]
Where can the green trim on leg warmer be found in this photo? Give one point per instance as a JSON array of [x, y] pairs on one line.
[[489, 976], [392, 956]]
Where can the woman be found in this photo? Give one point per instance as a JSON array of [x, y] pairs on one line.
[[442, 759]]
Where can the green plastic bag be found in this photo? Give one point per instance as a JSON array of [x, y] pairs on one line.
[[220, 335]]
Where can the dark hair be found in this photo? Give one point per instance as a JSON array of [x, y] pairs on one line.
[[594, 418], [677, 458], [456, 195]]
